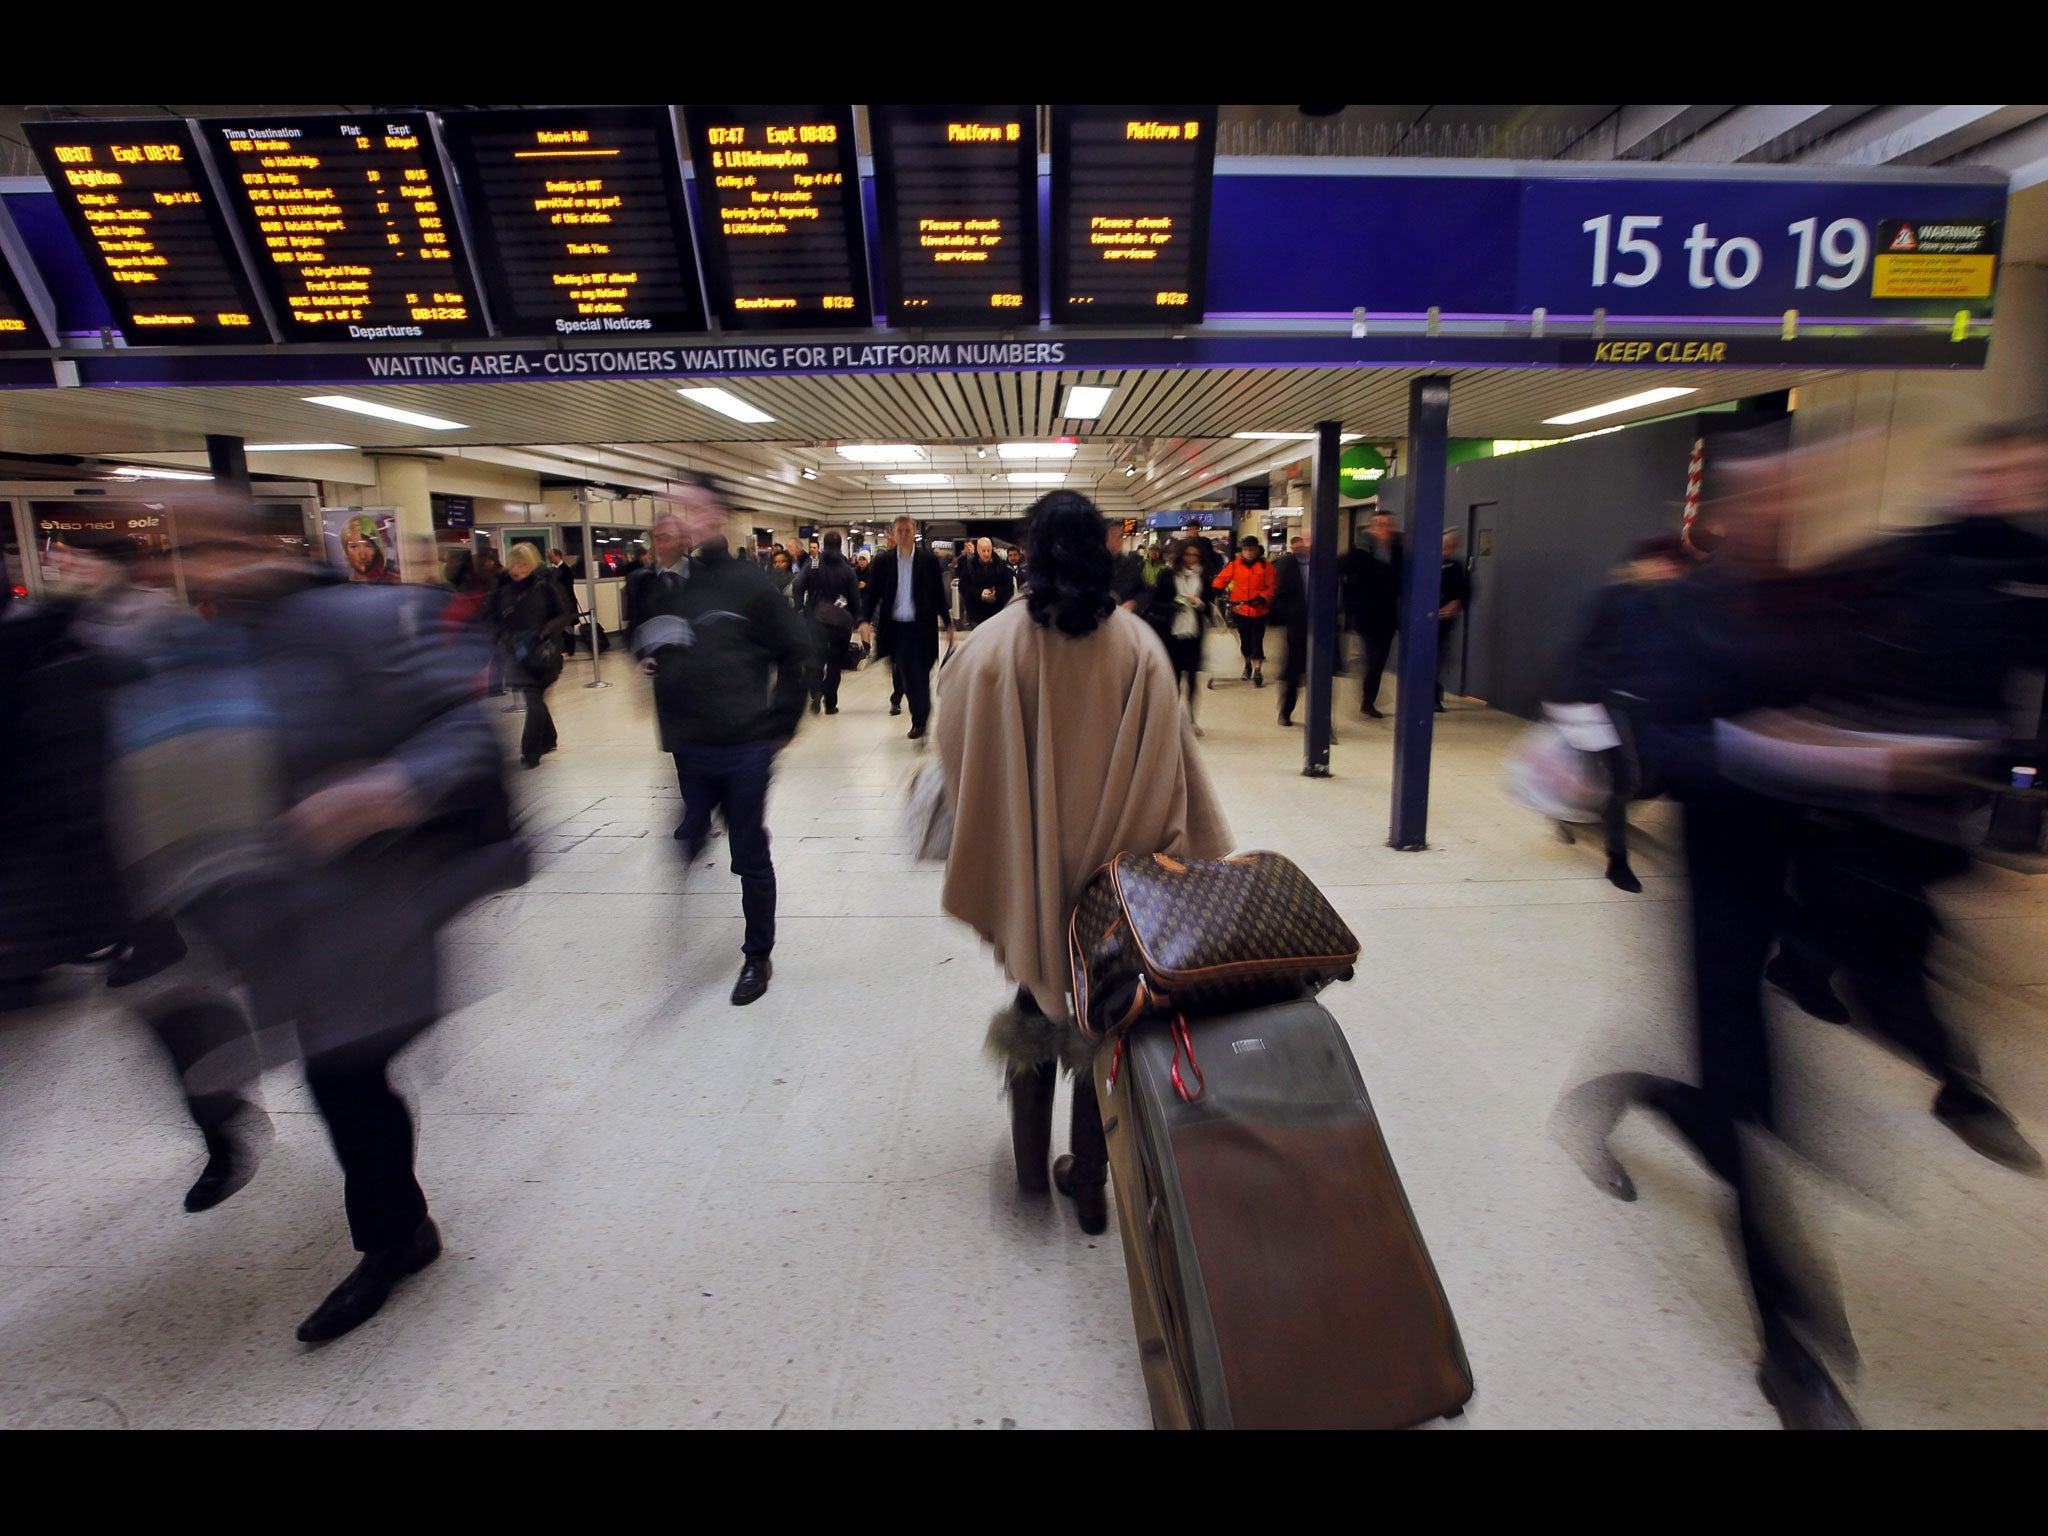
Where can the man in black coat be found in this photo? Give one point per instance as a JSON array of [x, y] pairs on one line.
[[1372, 602], [831, 601], [712, 631], [985, 584], [906, 609], [1453, 599], [1290, 607]]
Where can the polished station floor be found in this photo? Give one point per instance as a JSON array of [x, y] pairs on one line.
[[661, 1210]]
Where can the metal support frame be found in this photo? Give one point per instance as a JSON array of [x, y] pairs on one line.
[[228, 462], [590, 595], [1429, 418], [1322, 602]]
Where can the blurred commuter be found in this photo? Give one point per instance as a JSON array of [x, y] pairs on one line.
[[715, 631], [469, 588], [531, 613], [1290, 608], [1180, 600], [1061, 744], [782, 573], [907, 608], [1248, 581], [1598, 688], [394, 818], [1156, 563], [1372, 602], [1453, 597], [986, 585], [831, 601], [1015, 560], [491, 573], [1127, 580]]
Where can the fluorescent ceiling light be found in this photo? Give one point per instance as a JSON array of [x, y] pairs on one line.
[[1626, 403], [919, 479], [881, 453], [1037, 450], [725, 404], [298, 448], [1037, 477], [1293, 437], [138, 472], [385, 412], [1086, 402]]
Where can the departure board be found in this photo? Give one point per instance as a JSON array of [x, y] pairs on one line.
[[1130, 212], [349, 224], [578, 219], [137, 196], [956, 191], [778, 191], [26, 320]]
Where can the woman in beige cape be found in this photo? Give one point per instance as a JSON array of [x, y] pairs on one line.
[[1062, 745]]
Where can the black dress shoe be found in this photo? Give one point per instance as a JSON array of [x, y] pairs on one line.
[[831, 709], [817, 706], [357, 1299], [1984, 1128], [1802, 1391], [1622, 878], [231, 1160], [1091, 1200], [895, 706], [1371, 713], [155, 945], [1285, 721], [529, 761], [753, 980], [916, 733], [1806, 988]]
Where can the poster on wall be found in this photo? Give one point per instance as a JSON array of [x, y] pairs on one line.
[[362, 542]]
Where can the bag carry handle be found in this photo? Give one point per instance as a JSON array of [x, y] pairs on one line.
[[1181, 1038]]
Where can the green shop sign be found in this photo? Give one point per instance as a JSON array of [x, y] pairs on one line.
[[1360, 468]]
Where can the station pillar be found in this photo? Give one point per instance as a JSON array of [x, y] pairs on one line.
[[402, 483], [1322, 601], [1429, 418]]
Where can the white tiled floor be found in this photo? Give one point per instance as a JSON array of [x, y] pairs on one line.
[[661, 1210]]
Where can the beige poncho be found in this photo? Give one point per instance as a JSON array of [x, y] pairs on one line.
[[1060, 752]]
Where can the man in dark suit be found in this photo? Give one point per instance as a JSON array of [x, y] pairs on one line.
[[1290, 607], [1372, 601], [1456, 597], [906, 608]]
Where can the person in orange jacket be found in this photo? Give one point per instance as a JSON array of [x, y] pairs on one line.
[[1249, 581]]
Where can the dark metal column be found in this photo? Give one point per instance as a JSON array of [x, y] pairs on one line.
[[230, 466], [1322, 603], [1429, 416]]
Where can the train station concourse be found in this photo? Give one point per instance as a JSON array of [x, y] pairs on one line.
[[1593, 979]]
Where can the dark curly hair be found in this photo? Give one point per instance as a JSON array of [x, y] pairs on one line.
[[1066, 545]]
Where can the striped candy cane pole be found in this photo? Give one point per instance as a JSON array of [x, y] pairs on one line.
[[1693, 471]]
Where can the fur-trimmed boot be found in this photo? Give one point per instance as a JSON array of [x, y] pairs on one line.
[[1031, 1048]]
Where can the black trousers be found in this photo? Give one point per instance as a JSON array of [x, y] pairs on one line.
[[734, 778], [1379, 645], [913, 669], [211, 1046], [1185, 652], [1251, 638], [539, 733], [372, 1132], [1085, 1136], [832, 653], [1295, 668], [1620, 789]]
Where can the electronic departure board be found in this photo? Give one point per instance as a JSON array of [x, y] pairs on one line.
[[349, 224], [26, 319], [956, 190], [1130, 212], [578, 219], [137, 196], [778, 190]]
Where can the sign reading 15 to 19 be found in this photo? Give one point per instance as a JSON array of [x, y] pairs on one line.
[[1835, 257]]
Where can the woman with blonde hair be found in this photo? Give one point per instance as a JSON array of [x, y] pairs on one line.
[[531, 613], [1061, 745]]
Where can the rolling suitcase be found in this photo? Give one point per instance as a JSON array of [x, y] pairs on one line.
[[1277, 1277]]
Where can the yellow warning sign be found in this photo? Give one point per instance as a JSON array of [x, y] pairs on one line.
[[1923, 276]]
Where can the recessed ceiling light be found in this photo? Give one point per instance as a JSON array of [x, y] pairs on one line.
[[385, 412], [981, 453], [298, 448], [810, 473], [1293, 437], [1626, 403], [1037, 477], [139, 472], [726, 405], [919, 479], [1037, 450], [881, 453], [1085, 402]]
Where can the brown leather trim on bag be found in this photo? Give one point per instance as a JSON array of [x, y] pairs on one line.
[[1170, 863]]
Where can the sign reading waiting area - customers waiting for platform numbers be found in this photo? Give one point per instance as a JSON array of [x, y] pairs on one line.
[[137, 197], [778, 190], [1130, 213]]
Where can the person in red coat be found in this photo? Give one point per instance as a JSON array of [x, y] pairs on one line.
[[1248, 580]]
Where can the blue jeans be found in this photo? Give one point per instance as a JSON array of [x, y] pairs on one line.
[[736, 779]]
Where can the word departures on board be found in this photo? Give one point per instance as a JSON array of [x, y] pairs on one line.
[[778, 189], [353, 232], [26, 318], [1130, 213], [578, 219], [956, 192], [137, 197]]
